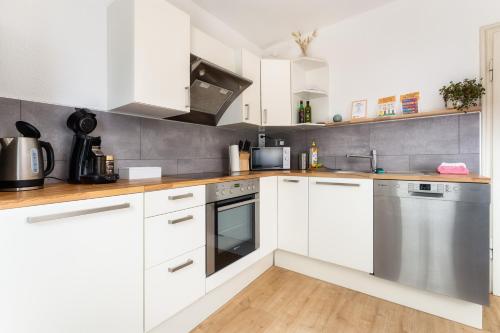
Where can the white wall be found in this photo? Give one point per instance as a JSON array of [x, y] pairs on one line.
[[401, 47], [54, 51]]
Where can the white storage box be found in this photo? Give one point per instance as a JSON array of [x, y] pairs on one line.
[[140, 172]]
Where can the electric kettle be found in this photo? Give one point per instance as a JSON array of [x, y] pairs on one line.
[[21, 160]]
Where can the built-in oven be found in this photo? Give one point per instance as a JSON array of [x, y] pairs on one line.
[[232, 215]]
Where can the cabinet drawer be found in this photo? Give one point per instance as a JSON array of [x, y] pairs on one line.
[[170, 235], [173, 285], [162, 202]]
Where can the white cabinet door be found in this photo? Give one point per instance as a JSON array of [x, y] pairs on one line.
[[73, 267], [341, 222], [250, 69], [268, 215], [293, 214], [275, 92], [173, 285], [148, 58], [170, 235], [246, 108]]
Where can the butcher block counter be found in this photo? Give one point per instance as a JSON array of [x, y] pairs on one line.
[[62, 192]]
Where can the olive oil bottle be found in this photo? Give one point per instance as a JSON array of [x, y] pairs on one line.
[[313, 155]]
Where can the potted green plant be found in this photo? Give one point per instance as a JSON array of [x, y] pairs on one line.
[[463, 95]]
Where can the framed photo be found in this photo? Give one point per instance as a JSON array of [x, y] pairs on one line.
[[358, 109]]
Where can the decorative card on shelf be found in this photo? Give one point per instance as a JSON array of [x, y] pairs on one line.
[[387, 106], [409, 102], [358, 109]]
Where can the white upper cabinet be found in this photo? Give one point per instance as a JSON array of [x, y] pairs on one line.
[[293, 214], [148, 58], [73, 267], [246, 108], [276, 92], [341, 222], [250, 69]]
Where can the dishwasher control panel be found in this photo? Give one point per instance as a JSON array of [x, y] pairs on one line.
[[425, 188], [469, 192]]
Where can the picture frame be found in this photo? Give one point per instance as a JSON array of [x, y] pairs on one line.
[[359, 109]]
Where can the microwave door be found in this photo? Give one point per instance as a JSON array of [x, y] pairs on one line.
[[269, 158]]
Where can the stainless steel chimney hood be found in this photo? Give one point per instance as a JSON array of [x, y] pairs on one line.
[[213, 89]]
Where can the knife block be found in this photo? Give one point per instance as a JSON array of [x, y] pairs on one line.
[[244, 161]]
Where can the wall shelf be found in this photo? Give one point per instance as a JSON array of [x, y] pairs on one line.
[[307, 126], [309, 63], [310, 94], [436, 113]]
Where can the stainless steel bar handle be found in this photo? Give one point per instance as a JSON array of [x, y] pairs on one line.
[[181, 266], [247, 111], [265, 116], [59, 216], [338, 184], [182, 219], [291, 180], [236, 205], [425, 195], [181, 196], [188, 97]]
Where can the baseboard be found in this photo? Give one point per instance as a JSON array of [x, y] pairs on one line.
[[446, 307], [189, 318]]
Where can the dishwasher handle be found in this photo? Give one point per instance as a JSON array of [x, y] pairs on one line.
[[426, 194]]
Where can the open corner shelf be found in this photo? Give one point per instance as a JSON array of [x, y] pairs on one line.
[[310, 93], [436, 113], [307, 126], [309, 63]]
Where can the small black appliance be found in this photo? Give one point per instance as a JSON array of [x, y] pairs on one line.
[[87, 164]]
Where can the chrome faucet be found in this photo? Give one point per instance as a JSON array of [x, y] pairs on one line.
[[372, 157]]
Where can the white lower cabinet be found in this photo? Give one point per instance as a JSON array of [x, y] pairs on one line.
[[73, 267], [341, 222], [268, 215], [173, 285], [293, 214]]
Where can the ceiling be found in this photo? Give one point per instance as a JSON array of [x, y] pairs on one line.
[[265, 22]]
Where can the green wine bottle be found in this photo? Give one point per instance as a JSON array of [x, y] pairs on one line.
[[301, 113], [308, 113]]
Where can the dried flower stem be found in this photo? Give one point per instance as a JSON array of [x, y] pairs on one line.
[[303, 42]]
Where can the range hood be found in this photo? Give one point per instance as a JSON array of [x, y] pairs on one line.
[[213, 90]]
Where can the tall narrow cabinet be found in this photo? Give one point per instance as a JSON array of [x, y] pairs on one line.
[[246, 108], [275, 92]]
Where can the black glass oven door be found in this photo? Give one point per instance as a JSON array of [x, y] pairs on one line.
[[234, 229]]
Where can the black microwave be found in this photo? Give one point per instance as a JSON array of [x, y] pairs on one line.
[[270, 158]]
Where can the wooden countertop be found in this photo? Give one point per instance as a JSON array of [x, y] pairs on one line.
[[63, 192]]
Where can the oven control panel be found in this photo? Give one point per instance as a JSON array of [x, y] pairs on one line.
[[233, 189]]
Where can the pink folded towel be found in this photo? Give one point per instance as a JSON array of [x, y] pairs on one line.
[[453, 169]]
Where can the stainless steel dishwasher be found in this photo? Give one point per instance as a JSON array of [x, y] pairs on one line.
[[433, 236]]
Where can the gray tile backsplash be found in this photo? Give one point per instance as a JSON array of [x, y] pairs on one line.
[[411, 145], [10, 112], [175, 147]]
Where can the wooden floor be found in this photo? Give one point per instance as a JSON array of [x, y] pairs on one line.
[[285, 301]]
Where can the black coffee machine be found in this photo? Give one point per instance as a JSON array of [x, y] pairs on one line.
[[87, 164]]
